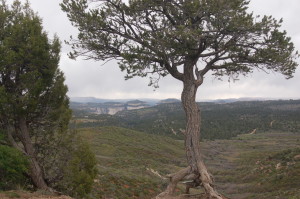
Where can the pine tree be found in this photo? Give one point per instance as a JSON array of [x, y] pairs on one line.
[[34, 108]]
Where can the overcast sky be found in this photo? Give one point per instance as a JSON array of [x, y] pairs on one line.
[[93, 79]]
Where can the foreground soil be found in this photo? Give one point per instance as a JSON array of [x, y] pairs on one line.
[[28, 195]]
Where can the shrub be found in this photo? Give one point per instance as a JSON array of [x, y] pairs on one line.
[[13, 165], [80, 172]]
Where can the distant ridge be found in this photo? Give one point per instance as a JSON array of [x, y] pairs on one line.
[[241, 99], [99, 100], [153, 102]]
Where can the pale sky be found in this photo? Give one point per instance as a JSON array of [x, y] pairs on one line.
[[93, 79]]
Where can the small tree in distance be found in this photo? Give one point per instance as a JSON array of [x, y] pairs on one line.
[[186, 39]]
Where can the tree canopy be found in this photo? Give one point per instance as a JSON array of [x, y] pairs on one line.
[[29, 78], [34, 108], [159, 37]]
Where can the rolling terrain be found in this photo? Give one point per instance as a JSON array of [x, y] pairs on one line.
[[252, 148]]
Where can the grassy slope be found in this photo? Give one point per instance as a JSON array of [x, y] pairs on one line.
[[244, 167], [124, 156], [261, 166]]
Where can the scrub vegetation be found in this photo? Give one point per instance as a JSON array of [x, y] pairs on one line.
[[133, 164]]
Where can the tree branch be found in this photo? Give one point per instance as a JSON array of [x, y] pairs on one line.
[[173, 71]]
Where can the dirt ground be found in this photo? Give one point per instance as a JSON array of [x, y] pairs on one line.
[[28, 195]]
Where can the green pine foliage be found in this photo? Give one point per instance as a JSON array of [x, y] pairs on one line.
[[34, 105], [157, 38], [30, 77]]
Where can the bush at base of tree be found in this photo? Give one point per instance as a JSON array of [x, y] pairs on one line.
[[13, 166], [80, 172]]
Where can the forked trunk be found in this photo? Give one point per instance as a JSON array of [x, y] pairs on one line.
[[36, 173]]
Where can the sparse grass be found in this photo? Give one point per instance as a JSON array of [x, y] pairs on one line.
[[12, 195], [264, 167], [244, 167], [123, 158]]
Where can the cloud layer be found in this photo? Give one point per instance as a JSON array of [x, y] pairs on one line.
[[89, 78]]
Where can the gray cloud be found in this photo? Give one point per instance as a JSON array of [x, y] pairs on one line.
[[89, 78]]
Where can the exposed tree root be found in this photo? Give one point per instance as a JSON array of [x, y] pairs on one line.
[[203, 179], [207, 182], [189, 196], [174, 179]]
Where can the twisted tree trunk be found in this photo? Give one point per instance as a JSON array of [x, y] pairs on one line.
[[35, 172], [192, 139], [196, 169]]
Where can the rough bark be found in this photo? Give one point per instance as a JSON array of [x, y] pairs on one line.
[[35, 173], [195, 162], [192, 138]]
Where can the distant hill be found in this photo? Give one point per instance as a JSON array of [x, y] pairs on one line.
[[170, 100], [109, 107], [242, 99], [98, 100], [93, 105], [219, 120], [153, 102]]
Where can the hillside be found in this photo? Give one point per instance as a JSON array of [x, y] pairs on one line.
[[132, 164], [127, 161]]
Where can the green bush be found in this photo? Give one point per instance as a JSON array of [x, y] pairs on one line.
[[80, 172], [13, 165]]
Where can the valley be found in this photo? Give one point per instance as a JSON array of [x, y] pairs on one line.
[[134, 165], [251, 148]]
